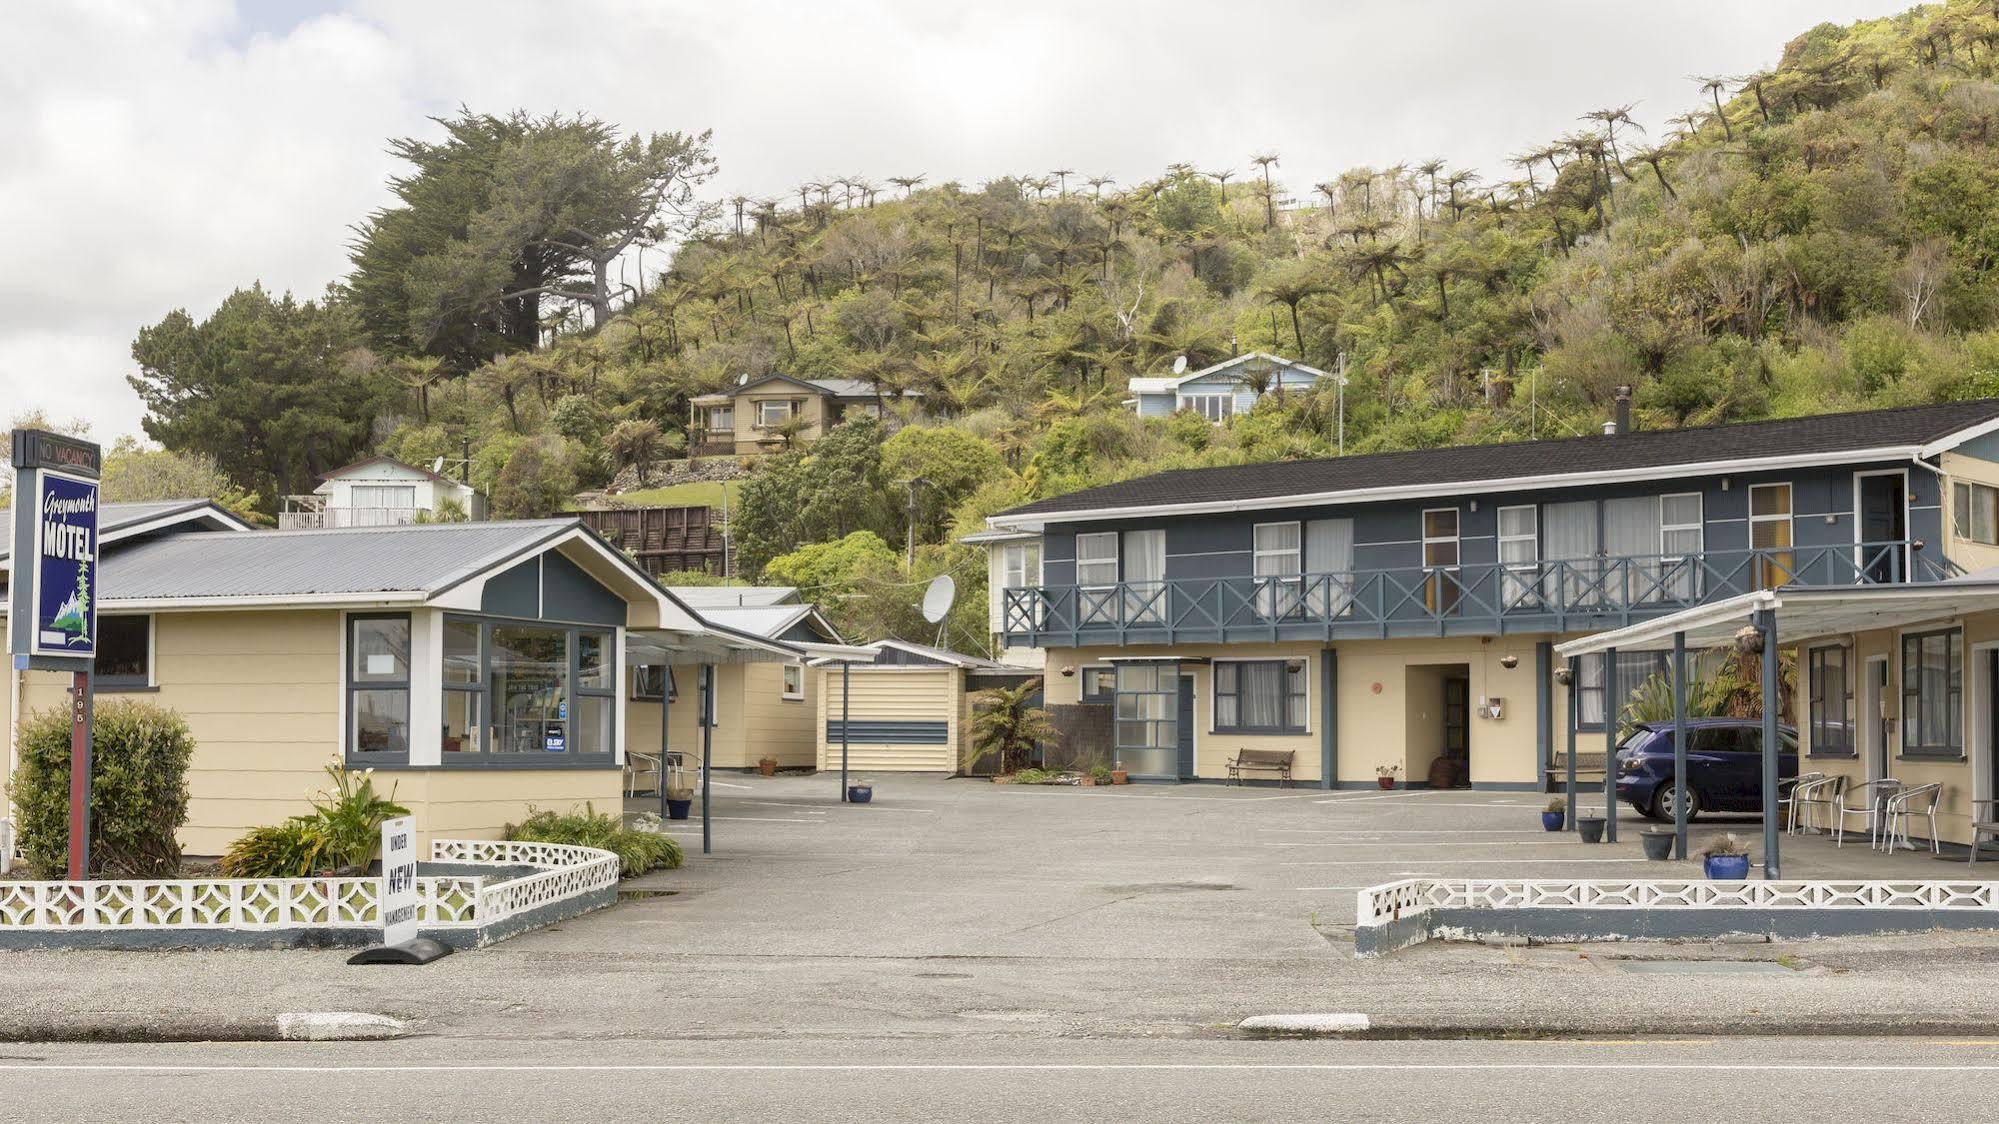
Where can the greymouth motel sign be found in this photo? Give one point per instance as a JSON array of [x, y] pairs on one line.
[[52, 593]]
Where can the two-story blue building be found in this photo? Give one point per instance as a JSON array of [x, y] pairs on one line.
[[1391, 610]]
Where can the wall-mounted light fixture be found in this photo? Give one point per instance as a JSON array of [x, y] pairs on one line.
[[1509, 661], [1068, 673]]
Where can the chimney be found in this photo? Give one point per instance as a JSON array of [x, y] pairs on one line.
[[1623, 423]]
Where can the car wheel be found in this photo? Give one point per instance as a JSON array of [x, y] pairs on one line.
[[1662, 804]]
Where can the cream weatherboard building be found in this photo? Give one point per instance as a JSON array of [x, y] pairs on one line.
[[908, 711], [774, 413], [1399, 612], [478, 666]]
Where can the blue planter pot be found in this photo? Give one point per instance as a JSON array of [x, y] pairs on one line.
[[1727, 867], [677, 809], [860, 793], [1551, 821]]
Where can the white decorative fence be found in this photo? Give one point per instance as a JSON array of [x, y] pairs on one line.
[[1398, 914], [469, 903]]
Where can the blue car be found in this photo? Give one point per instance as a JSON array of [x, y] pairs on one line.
[[1724, 766]]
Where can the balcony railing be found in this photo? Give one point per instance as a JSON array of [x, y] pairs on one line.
[[1487, 598], [323, 518]]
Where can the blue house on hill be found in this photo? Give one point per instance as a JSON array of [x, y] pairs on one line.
[[1223, 390]]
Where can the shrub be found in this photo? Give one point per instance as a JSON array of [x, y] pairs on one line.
[[637, 851], [138, 795], [339, 836]]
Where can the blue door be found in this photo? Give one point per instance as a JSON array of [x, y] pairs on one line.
[[1186, 727]]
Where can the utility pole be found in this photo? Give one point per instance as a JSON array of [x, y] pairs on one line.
[[1342, 377], [915, 485]]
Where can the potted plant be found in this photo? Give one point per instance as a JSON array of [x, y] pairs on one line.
[[1658, 844], [1590, 826], [1726, 857], [862, 793], [767, 765], [678, 800], [1119, 776], [1384, 775], [1100, 775], [1553, 815]]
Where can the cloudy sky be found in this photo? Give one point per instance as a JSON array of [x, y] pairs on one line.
[[158, 153]]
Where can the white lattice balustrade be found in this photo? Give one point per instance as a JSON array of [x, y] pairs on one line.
[[265, 904], [1409, 897]]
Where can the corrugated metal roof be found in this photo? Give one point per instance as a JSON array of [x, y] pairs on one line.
[[767, 621], [734, 596], [418, 558]]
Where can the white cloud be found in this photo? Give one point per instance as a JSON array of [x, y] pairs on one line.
[[160, 154]]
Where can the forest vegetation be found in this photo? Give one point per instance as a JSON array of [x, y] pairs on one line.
[[1818, 236]]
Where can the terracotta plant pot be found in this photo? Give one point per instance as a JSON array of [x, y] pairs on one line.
[[1119, 776], [767, 766], [1385, 782], [1087, 781]]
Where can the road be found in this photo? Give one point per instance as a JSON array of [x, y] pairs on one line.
[[1222, 1078]]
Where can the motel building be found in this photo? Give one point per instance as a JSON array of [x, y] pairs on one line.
[[483, 669], [1401, 611]]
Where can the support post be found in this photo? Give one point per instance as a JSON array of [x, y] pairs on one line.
[[846, 694], [79, 776], [1679, 745], [1544, 708], [665, 743], [1575, 713], [1772, 749], [1610, 710], [707, 749], [1329, 720]]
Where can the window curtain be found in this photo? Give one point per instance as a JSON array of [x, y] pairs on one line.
[[1569, 534], [1681, 540], [1519, 548], [1631, 543], [1329, 555], [1262, 693], [1096, 577], [1275, 555], [1144, 573]]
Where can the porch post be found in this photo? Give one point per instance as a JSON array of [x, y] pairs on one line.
[[1772, 750], [846, 682], [1610, 711], [1679, 745], [1329, 720], [1573, 709], [1544, 706], [665, 696], [707, 748]]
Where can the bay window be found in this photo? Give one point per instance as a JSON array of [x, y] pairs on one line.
[[522, 693]]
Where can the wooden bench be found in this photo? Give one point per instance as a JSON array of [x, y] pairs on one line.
[[1278, 761]]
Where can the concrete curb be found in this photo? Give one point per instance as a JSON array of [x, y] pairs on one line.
[[339, 1026], [1332, 1024]]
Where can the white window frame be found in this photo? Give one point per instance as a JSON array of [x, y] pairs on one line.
[[1014, 565], [1520, 585], [787, 691], [1217, 408], [1688, 586], [1278, 595], [1096, 599], [726, 416], [1110, 558], [789, 407]]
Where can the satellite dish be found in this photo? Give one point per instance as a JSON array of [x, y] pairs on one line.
[[1180, 365], [437, 465], [938, 598]]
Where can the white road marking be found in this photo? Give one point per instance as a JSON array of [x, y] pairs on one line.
[[1028, 1067], [821, 808], [1462, 862], [1433, 843]]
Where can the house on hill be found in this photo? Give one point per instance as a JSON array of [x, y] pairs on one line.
[[772, 413], [379, 492], [1219, 392]]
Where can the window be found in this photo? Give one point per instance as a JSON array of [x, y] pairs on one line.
[[378, 687], [1770, 533], [1020, 565], [1440, 559], [378, 505], [1831, 703], [596, 718], [1633, 669], [1519, 554], [464, 687], [1099, 684], [774, 412], [794, 681], [520, 692], [1214, 407], [1630, 546], [1096, 577], [1681, 540], [1932, 694], [1974, 513], [1145, 576], [1276, 561], [1329, 559], [1260, 696], [648, 679], [124, 654], [721, 419]]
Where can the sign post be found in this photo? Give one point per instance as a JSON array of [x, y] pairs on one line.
[[52, 599]]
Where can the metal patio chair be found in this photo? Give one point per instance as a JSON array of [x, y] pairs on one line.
[[1898, 807], [1863, 800], [1813, 797]]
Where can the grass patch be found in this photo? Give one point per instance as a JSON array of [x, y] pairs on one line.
[[705, 493]]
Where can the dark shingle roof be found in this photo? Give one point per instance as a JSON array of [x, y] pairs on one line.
[[1824, 434]]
